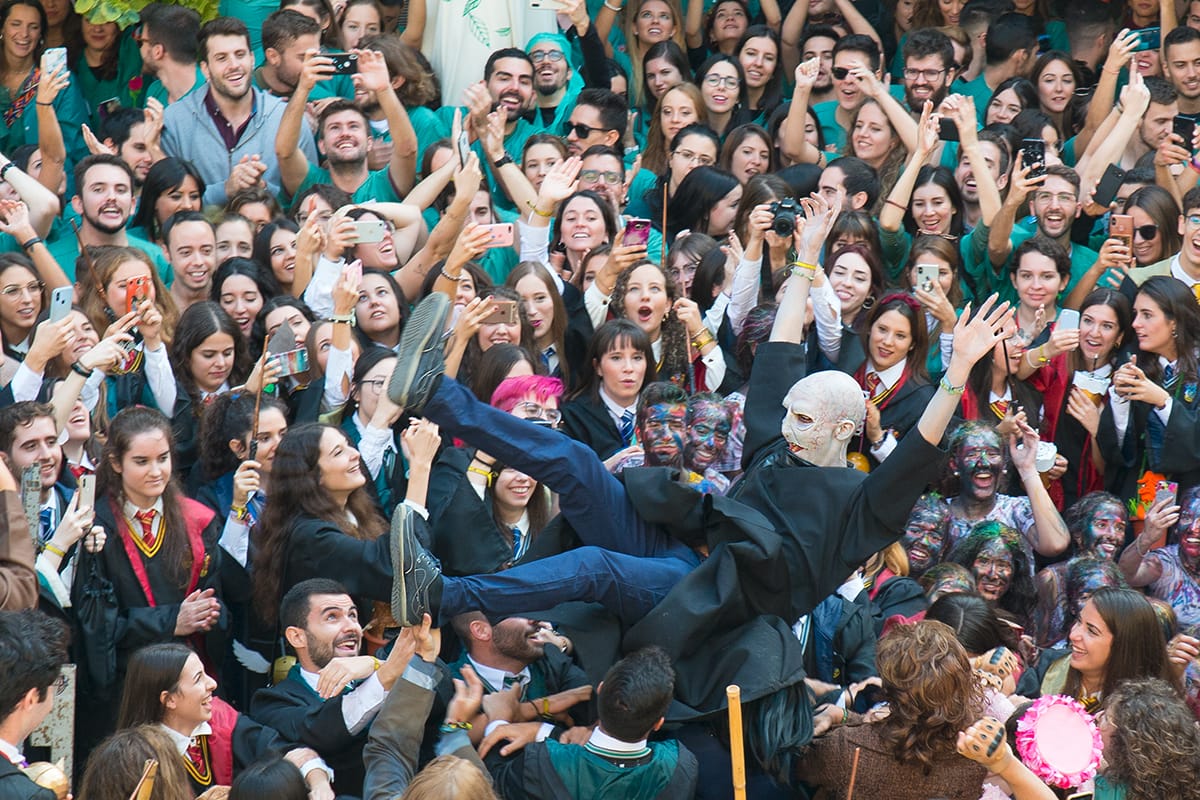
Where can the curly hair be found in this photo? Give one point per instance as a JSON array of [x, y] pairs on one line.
[[931, 691], [229, 416], [674, 364], [1078, 517], [1154, 749], [950, 485], [1022, 593]]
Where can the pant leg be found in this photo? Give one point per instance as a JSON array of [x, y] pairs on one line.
[[591, 499], [628, 586]]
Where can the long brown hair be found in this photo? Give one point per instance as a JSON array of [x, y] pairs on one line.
[[105, 261], [1154, 749], [116, 764], [637, 50], [558, 327], [296, 491], [1139, 648], [931, 690], [152, 670], [176, 553], [657, 151]]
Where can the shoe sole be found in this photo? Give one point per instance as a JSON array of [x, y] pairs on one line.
[[425, 325], [399, 589]]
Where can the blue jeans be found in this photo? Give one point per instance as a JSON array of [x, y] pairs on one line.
[[589, 496], [628, 566]]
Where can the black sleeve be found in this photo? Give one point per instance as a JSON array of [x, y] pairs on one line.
[[319, 725], [595, 61], [364, 567], [777, 365], [254, 742]]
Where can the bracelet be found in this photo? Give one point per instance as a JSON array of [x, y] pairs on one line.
[[377, 665], [449, 277], [78, 370], [845, 716], [451, 727], [1042, 357], [50, 548], [349, 319], [240, 513], [703, 339], [946, 386], [40, 103], [532, 207], [4, 170], [894, 204], [616, 10], [502, 161], [36, 240], [545, 706], [801, 270]]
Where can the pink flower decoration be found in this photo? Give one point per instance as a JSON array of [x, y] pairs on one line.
[[1059, 741], [135, 83]]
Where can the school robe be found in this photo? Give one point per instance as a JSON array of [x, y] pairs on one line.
[[236, 742], [587, 419]]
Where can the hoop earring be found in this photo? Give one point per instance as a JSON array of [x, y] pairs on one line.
[[869, 303]]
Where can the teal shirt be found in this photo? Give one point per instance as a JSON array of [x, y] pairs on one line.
[[514, 146], [642, 183], [376, 188], [1082, 259], [72, 113], [587, 774], [96, 91], [833, 133], [979, 91], [429, 128], [65, 248], [159, 92]]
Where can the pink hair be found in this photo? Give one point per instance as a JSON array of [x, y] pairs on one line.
[[512, 390]]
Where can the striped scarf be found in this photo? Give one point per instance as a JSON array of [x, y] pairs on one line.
[[23, 97]]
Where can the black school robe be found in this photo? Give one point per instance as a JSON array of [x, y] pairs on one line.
[[319, 549], [15, 785], [786, 536], [587, 419], [1179, 457], [898, 413]]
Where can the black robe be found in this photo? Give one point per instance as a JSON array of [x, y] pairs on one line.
[[587, 419], [899, 413], [786, 537], [1179, 457], [15, 785], [319, 549]]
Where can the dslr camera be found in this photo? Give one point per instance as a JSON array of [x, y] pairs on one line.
[[785, 212]]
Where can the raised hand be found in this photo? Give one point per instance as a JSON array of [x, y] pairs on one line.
[[976, 335]]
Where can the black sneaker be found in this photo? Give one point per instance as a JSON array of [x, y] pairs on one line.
[[416, 575], [419, 358]]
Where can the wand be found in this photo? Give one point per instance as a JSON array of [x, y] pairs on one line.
[[737, 747]]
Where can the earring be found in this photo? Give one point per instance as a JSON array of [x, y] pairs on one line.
[[868, 304]]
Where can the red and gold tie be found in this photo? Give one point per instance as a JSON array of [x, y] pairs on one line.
[[873, 382], [146, 518]]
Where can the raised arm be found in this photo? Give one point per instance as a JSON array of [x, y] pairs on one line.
[[293, 164], [441, 238], [50, 136], [891, 216], [1048, 536], [1000, 235], [794, 145], [373, 75], [1135, 99], [693, 25], [790, 33], [1138, 564], [872, 87], [1102, 102], [510, 177], [961, 109]]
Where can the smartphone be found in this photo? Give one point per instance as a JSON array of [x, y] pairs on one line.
[[637, 233], [353, 270], [1110, 182], [292, 362], [504, 312], [54, 58], [344, 63], [464, 149], [1034, 156], [1044, 43], [1166, 490], [927, 275], [1148, 39], [86, 491], [1068, 320], [107, 108], [947, 130], [1120, 226], [502, 234], [60, 302], [1185, 128], [137, 290], [369, 231], [550, 5]]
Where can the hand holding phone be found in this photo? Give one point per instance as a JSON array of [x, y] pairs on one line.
[[504, 312]]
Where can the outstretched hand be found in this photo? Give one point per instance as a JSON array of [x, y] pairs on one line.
[[976, 335]]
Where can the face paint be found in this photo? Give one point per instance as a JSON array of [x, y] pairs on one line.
[[1188, 530], [664, 427], [1088, 584], [709, 424], [951, 584], [1105, 534], [924, 538], [979, 461], [993, 570]]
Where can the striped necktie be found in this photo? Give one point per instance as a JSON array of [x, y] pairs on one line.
[[626, 428]]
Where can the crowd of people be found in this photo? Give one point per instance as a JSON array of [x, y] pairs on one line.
[[451, 398]]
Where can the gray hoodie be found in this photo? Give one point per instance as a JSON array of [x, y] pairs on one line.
[[190, 133]]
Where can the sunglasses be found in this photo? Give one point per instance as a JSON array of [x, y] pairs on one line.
[[1147, 232], [840, 73], [581, 131]]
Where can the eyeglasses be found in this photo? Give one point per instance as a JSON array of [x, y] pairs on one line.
[[687, 270], [530, 410], [13, 290], [553, 56], [717, 81], [840, 73], [60, 684], [581, 131], [139, 36], [1147, 232], [376, 384], [695, 158], [928, 74], [1066, 198], [595, 176]]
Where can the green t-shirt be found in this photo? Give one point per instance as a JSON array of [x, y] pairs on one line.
[[377, 187], [979, 91], [159, 92], [1082, 259], [64, 247], [833, 133], [96, 90]]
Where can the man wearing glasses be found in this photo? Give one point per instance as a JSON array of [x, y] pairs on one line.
[[33, 648], [928, 69]]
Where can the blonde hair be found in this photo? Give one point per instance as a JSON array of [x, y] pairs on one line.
[[450, 778]]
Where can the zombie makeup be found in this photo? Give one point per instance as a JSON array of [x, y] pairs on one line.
[[924, 537], [664, 429], [1188, 530], [979, 462], [952, 580], [709, 423], [993, 570], [1086, 576]]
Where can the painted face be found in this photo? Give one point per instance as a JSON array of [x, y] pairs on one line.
[[890, 340], [332, 629], [1188, 530], [979, 462], [663, 430], [924, 538], [1091, 582], [1091, 641], [709, 425], [993, 570], [953, 583], [1105, 532]]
